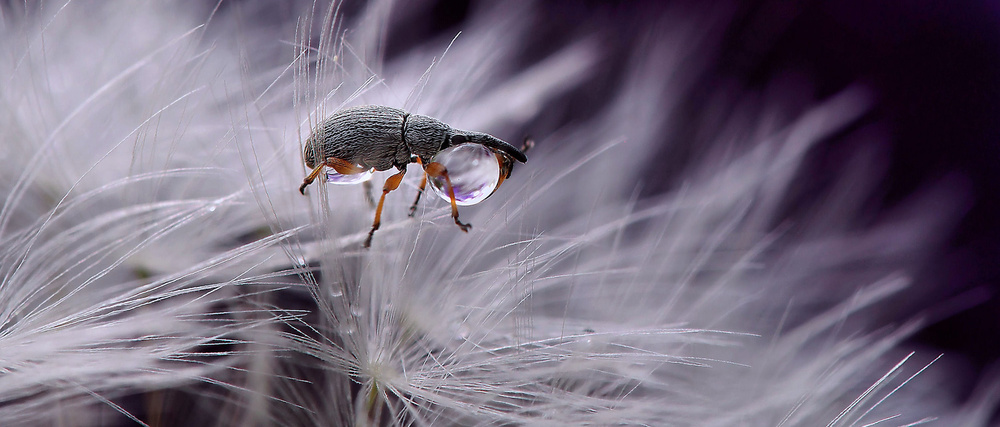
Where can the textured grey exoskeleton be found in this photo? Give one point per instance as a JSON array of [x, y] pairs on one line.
[[356, 140]]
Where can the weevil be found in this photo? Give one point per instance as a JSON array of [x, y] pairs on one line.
[[375, 137]]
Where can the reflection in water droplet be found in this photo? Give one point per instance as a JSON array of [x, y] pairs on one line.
[[474, 172], [334, 177]]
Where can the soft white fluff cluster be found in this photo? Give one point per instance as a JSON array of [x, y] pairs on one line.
[[158, 263]]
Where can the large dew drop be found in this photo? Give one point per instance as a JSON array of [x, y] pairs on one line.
[[334, 177], [474, 172]]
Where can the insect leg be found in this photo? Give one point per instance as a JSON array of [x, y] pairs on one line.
[[343, 167], [420, 191], [309, 179], [438, 170], [390, 184], [368, 193]]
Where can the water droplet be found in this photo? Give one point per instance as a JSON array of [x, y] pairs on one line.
[[474, 172], [463, 332], [334, 177], [357, 310]]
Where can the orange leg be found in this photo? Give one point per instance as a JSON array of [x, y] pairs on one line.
[[309, 179], [391, 183], [438, 170], [420, 190], [341, 166]]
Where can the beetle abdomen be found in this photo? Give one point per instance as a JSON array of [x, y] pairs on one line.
[[369, 135]]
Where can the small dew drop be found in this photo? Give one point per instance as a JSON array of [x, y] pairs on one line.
[[474, 172], [334, 177], [357, 310], [336, 293]]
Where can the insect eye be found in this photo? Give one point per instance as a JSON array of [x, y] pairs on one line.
[[474, 172]]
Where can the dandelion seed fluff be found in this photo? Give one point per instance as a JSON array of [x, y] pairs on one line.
[[172, 260]]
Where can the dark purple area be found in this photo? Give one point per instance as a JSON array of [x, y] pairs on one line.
[[934, 67]]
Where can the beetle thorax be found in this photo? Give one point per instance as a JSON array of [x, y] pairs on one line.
[[424, 136]]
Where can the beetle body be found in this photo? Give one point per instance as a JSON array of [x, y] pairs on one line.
[[359, 139], [380, 137]]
